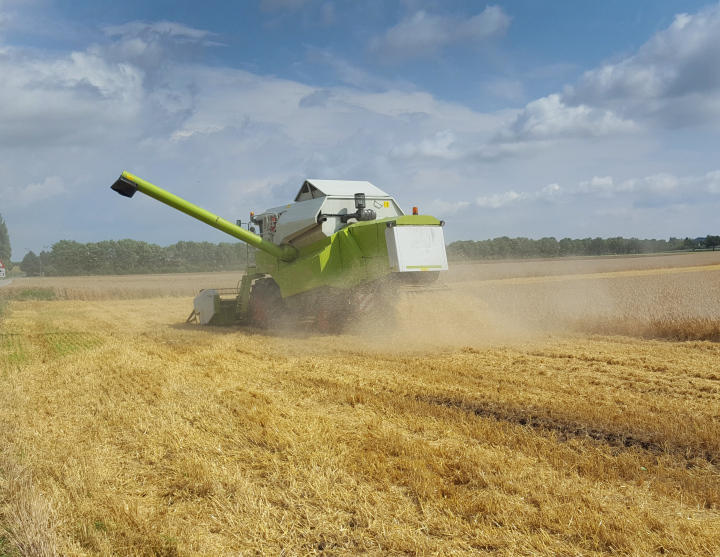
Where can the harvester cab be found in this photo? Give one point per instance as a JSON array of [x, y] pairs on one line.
[[342, 248]]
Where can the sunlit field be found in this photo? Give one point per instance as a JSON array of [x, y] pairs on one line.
[[529, 408]]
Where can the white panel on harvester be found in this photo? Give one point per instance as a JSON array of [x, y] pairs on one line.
[[206, 304], [416, 248]]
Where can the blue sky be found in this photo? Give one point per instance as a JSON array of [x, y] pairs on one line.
[[518, 118]]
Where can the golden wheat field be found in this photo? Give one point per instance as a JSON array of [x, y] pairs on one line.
[[530, 408]]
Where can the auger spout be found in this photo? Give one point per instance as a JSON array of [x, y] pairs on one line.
[[128, 184]]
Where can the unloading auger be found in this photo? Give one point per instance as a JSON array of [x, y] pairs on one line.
[[342, 248]]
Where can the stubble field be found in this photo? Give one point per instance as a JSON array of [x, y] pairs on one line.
[[531, 408]]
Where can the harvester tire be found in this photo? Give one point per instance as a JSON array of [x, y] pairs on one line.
[[331, 311], [265, 300]]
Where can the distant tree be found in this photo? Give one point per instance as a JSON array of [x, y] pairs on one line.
[[690, 243], [615, 246], [712, 242], [31, 265], [633, 245], [49, 271], [68, 257], [674, 243], [567, 246], [5, 249], [548, 247], [597, 246]]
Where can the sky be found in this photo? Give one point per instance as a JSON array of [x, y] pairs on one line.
[[517, 118]]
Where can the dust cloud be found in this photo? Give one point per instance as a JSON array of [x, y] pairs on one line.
[[515, 303]]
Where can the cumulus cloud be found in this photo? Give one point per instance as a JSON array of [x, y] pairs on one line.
[[423, 34], [442, 145], [317, 98], [657, 185], [76, 98], [443, 208], [550, 118], [496, 201], [33, 193], [151, 45], [673, 80], [710, 182], [128, 88], [662, 189]]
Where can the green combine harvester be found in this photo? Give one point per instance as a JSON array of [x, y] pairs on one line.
[[340, 250]]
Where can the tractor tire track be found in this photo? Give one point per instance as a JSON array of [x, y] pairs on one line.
[[566, 429]]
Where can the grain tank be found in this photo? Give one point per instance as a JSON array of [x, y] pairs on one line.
[[341, 248]]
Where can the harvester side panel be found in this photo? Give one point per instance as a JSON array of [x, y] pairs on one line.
[[370, 239]]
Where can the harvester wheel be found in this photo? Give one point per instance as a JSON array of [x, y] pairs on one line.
[[264, 301], [331, 311], [324, 320]]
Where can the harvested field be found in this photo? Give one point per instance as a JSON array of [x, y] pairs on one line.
[[573, 413], [125, 287], [503, 269]]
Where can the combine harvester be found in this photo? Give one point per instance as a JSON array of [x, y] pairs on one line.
[[341, 250]]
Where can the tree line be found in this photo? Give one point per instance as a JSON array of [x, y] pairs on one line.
[[127, 257], [518, 248]]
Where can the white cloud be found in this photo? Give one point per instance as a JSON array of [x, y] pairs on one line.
[[128, 89], [548, 191], [662, 189], [656, 186], [550, 118], [600, 186], [673, 80], [33, 193], [614, 213], [710, 182], [440, 145], [495, 201], [662, 185], [422, 34], [78, 97], [167, 28], [150, 46], [442, 208]]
